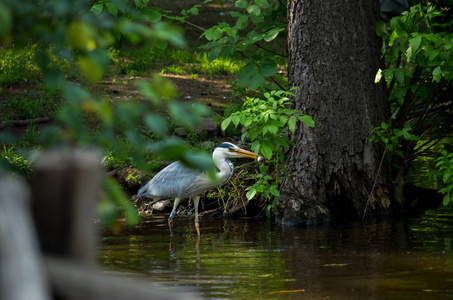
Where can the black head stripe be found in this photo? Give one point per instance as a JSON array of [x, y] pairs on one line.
[[225, 145]]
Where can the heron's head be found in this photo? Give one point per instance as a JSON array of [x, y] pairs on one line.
[[225, 150]]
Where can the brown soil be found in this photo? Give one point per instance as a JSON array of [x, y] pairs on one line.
[[212, 92]]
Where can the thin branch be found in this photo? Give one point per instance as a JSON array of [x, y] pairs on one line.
[[270, 51], [370, 195], [195, 26]]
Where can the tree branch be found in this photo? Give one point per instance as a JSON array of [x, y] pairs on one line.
[[21, 123]]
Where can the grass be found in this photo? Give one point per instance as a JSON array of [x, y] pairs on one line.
[[30, 105], [14, 161], [19, 65], [141, 61]]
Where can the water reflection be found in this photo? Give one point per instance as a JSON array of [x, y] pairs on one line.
[[393, 259]]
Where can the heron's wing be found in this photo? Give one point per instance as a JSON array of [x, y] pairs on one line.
[[200, 184], [170, 182]]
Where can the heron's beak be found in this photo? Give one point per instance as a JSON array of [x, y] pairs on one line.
[[246, 153]]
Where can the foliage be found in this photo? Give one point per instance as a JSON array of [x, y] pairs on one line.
[[252, 27], [418, 74], [393, 137], [444, 175], [265, 121], [14, 162], [80, 34]]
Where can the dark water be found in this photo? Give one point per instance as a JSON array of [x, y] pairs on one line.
[[245, 259]]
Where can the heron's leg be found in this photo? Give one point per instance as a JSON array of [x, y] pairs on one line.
[[196, 200], [173, 214]]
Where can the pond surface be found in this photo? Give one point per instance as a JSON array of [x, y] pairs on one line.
[[245, 259]]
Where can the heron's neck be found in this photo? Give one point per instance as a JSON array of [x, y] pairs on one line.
[[225, 167]]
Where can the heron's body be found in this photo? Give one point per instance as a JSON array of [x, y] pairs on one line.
[[177, 181]]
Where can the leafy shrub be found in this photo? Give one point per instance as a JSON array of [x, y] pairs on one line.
[[265, 121], [444, 175], [417, 48]]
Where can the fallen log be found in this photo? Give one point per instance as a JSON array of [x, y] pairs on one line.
[[22, 123]]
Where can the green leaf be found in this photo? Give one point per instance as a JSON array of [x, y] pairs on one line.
[[447, 199], [250, 194], [262, 2], [393, 37], [272, 34], [273, 129], [242, 22], [253, 133], [194, 10], [381, 28], [400, 75], [256, 81], [274, 191], [267, 151], [433, 54], [415, 44], [437, 73], [241, 3], [247, 122], [112, 9], [254, 10], [200, 161], [225, 123], [161, 44], [409, 136], [235, 119], [97, 8], [268, 68], [230, 31], [256, 146], [307, 120], [446, 177], [246, 74], [283, 120], [213, 33], [292, 123], [214, 53], [153, 16], [156, 123]]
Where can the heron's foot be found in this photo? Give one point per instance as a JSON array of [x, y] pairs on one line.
[[197, 226]]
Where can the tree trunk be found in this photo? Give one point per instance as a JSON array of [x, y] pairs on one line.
[[334, 170]]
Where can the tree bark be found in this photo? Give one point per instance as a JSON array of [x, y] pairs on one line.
[[334, 170]]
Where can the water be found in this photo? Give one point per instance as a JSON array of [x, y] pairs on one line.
[[245, 259]]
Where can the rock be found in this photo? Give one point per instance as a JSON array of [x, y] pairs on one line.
[[161, 205]]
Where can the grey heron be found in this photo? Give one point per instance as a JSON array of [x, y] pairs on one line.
[[177, 181]]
